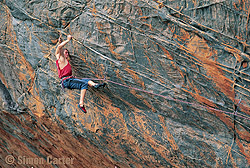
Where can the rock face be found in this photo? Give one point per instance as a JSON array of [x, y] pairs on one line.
[[178, 83]]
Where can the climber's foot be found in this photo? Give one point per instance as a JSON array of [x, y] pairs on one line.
[[81, 107], [99, 85]]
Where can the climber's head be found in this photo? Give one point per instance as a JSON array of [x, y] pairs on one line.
[[66, 54]]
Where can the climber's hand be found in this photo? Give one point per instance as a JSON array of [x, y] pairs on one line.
[[69, 37]]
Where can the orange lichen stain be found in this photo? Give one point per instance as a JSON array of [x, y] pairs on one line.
[[235, 4], [149, 25], [201, 50], [54, 41], [223, 117], [246, 148], [149, 61], [139, 11], [235, 52], [143, 99], [35, 103], [239, 38], [24, 66], [149, 106], [94, 10], [144, 18], [161, 5], [243, 150], [170, 137], [112, 48], [64, 22], [99, 27], [172, 28], [37, 107], [243, 106], [182, 73], [3, 79], [118, 75], [96, 112], [183, 36], [210, 106], [50, 21], [229, 155], [147, 135], [166, 53], [244, 134], [201, 98], [136, 78], [135, 145], [22, 60], [88, 120]]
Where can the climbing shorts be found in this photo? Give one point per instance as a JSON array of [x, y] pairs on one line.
[[74, 83]]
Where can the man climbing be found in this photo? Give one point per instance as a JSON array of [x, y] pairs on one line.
[[65, 73]]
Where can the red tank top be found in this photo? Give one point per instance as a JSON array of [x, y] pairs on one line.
[[66, 71]]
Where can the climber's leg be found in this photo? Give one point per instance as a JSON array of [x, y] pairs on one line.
[[81, 103], [83, 93]]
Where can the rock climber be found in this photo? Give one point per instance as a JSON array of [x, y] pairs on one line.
[[65, 73]]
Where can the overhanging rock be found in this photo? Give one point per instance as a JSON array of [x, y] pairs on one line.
[[177, 74]]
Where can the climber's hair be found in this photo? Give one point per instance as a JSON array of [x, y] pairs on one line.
[[68, 58]]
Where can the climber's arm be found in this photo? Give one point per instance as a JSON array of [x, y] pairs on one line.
[[61, 45]]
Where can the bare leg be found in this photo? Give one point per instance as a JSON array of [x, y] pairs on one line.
[[83, 93]]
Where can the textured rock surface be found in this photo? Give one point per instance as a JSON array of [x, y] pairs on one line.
[[190, 58]]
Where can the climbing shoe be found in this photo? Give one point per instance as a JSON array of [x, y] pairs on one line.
[[82, 108], [99, 85]]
